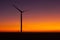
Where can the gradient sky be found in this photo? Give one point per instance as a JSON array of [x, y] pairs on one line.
[[43, 16]]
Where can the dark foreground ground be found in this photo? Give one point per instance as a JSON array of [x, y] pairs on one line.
[[29, 35]]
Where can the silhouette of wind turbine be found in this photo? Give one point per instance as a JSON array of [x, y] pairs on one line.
[[20, 14], [21, 11]]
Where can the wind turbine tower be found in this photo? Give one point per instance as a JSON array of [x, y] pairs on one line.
[[21, 12]]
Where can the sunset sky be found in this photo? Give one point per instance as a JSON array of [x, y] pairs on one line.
[[43, 16]]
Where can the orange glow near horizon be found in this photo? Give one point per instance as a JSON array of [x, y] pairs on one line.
[[43, 24], [42, 27]]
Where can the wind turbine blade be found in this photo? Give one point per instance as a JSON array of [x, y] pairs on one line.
[[25, 10], [16, 7]]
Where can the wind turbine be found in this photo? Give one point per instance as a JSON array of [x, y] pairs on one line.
[[21, 13]]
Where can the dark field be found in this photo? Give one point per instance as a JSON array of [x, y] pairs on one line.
[[29, 35]]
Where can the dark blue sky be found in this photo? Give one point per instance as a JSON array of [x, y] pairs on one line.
[[37, 8]]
